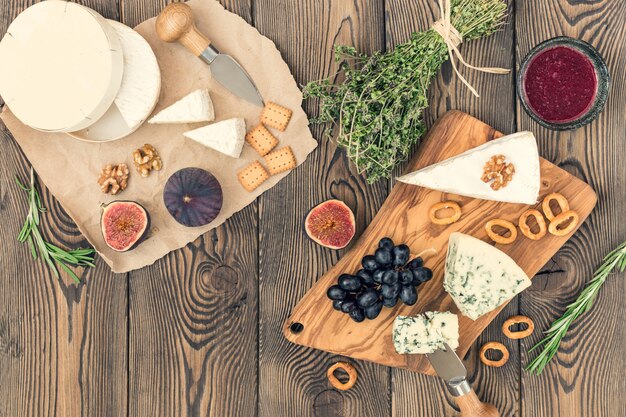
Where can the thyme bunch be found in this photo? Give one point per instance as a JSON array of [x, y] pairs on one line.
[[50, 253], [378, 106], [614, 261]]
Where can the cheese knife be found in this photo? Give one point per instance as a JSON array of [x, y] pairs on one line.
[[450, 368], [176, 24]]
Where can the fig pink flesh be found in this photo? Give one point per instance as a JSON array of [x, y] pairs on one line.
[[123, 223], [331, 224]]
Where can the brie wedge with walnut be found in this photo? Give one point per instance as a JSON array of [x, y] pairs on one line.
[[479, 277], [463, 173]]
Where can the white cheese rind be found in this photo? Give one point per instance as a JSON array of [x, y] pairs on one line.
[[193, 108], [426, 332], [479, 277], [227, 136], [61, 66], [462, 174], [141, 82]]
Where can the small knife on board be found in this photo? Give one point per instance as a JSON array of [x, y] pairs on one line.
[[176, 24], [450, 368]]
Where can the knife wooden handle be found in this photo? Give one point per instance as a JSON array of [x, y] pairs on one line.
[[176, 24], [471, 406]]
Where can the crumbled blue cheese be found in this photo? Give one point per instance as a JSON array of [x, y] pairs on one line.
[[479, 277], [426, 332]]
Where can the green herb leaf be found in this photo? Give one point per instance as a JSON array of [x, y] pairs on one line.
[[614, 261], [377, 107], [51, 254]]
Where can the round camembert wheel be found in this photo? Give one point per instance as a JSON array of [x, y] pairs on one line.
[[62, 65], [138, 94]]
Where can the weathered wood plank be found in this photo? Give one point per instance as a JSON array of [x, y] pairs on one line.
[[193, 314], [419, 395], [133, 12], [292, 379], [581, 379], [193, 327], [62, 347]]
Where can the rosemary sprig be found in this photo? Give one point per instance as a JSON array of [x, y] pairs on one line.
[[50, 253], [614, 261]]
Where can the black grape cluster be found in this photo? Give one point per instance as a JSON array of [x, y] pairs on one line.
[[387, 276]]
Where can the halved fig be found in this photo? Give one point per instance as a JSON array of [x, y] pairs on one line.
[[193, 197], [331, 224], [124, 224]]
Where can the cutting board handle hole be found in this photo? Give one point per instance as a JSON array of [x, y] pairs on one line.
[[296, 328]]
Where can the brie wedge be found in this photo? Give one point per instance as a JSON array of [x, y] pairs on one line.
[[193, 108], [141, 82], [479, 277], [226, 136], [426, 332], [462, 174]]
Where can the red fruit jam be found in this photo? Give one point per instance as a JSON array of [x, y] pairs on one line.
[[560, 84]]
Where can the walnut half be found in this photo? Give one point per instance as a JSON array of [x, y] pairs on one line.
[[113, 178], [498, 172], [146, 159]]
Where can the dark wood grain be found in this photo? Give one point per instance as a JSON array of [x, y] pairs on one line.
[[581, 379], [193, 327], [496, 108], [292, 379], [62, 347], [193, 314], [200, 326]]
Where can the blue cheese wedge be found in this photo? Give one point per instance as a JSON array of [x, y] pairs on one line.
[[193, 108], [426, 332], [462, 174], [479, 277], [226, 136]]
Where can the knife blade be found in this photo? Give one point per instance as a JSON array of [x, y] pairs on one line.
[[448, 365], [176, 24], [450, 368], [231, 75]]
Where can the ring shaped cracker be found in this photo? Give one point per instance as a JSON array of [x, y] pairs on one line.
[[498, 238], [445, 220], [553, 228], [336, 383], [547, 210], [506, 327], [494, 346], [525, 228]]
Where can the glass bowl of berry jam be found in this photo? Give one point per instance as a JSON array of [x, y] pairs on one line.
[[563, 83]]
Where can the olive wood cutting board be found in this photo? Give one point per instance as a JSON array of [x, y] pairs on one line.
[[404, 218]]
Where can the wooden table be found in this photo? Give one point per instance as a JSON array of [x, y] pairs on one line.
[[198, 333]]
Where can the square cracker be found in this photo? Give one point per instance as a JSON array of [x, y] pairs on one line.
[[275, 116], [261, 140], [252, 176], [280, 160]]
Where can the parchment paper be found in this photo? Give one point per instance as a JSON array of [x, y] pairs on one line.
[[70, 168]]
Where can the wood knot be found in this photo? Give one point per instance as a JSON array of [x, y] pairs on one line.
[[328, 403], [224, 279]]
